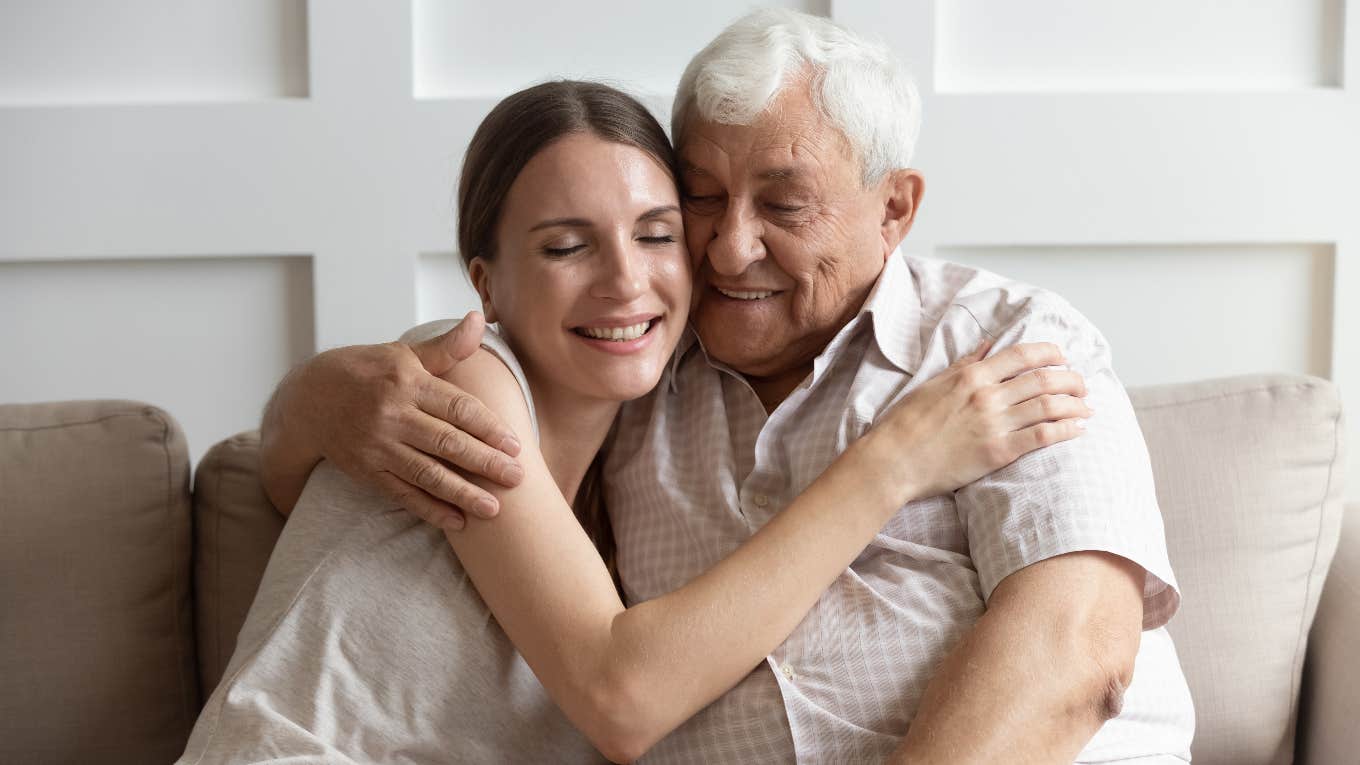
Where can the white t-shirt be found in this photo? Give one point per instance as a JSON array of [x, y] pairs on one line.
[[367, 643]]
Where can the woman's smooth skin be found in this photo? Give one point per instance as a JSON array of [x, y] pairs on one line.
[[590, 242], [590, 237]]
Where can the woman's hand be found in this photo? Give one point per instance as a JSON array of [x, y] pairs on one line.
[[976, 417]]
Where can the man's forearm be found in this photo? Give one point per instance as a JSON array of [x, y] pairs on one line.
[[286, 457], [1038, 674]]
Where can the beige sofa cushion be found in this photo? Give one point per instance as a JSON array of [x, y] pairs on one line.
[[235, 528], [96, 638], [1249, 480]]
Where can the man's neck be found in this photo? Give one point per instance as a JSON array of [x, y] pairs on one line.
[[774, 389]]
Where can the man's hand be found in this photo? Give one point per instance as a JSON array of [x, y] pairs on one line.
[[383, 415]]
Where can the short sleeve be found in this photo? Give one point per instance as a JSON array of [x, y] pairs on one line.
[[1094, 492]]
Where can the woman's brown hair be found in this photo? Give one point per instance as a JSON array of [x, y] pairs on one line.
[[526, 123], [516, 130]]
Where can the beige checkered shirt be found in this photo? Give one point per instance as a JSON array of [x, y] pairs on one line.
[[697, 467]]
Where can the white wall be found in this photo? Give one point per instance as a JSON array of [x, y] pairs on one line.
[[193, 196]]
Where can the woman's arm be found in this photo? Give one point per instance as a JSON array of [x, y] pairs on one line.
[[627, 677]]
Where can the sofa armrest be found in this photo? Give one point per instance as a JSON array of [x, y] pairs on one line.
[[1331, 703]]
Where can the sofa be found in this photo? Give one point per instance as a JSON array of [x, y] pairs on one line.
[[123, 585]]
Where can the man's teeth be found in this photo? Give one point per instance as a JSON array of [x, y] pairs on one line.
[[746, 295], [619, 334]]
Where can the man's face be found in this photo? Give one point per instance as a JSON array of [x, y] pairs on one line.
[[786, 240]]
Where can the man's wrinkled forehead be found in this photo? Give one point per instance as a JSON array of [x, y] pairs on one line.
[[783, 143]]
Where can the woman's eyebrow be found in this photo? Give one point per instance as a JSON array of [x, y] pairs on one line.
[[657, 212], [569, 222]]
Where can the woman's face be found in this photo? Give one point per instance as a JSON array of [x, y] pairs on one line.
[[591, 280]]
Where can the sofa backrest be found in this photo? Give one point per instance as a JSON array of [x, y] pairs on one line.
[[1248, 476], [98, 651], [97, 660], [1249, 482], [235, 528]]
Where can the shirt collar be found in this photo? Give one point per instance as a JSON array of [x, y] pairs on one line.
[[892, 311], [689, 343], [895, 308]]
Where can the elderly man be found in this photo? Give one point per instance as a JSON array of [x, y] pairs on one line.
[[1000, 624]]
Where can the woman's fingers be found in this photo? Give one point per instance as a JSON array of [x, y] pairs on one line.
[[1045, 408], [1041, 382], [1020, 358], [1026, 440]]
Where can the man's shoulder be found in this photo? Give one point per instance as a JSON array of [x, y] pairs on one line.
[[960, 298]]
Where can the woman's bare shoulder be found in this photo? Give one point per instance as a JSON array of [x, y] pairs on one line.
[[487, 378]]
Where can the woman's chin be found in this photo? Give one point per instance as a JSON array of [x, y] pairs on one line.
[[624, 385]]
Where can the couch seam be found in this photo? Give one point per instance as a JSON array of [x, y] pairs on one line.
[[218, 666], [174, 600], [1299, 646], [1222, 396], [58, 426]]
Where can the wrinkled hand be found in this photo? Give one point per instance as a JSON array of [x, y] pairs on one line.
[[976, 417], [382, 414]]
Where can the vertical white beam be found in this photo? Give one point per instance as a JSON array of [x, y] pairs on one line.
[[361, 69]]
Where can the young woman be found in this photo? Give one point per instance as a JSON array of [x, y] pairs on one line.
[[378, 638]]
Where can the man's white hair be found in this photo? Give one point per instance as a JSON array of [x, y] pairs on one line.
[[860, 86]]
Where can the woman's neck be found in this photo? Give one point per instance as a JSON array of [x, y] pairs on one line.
[[571, 429]]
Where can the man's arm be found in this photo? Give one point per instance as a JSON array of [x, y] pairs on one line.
[[1040, 672], [384, 417]]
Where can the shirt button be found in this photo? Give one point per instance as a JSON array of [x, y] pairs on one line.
[[788, 672], [761, 500]]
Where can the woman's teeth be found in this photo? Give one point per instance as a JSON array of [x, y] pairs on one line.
[[618, 334], [746, 295]]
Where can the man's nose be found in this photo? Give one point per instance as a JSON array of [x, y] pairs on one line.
[[736, 242], [621, 275]]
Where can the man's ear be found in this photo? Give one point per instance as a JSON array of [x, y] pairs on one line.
[[479, 271], [902, 191]]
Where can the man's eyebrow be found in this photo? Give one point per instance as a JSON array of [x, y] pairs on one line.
[[569, 222], [781, 174], [689, 168], [657, 212]]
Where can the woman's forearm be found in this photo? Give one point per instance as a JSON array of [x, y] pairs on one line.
[[628, 677], [673, 655]]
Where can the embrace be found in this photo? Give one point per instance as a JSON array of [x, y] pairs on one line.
[[721, 477]]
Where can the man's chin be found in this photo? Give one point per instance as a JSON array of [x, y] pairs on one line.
[[749, 360]]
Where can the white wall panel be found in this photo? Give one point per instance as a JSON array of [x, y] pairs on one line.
[[442, 288], [203, 338], [1077, 45], [149, 51], [1116, 124], [1180, 313], [471, 48]]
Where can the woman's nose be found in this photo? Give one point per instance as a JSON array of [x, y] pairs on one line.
[[622, 274]]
